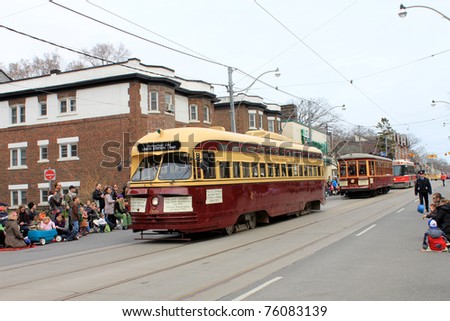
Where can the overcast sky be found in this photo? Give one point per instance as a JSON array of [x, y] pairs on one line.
[[353, 52]]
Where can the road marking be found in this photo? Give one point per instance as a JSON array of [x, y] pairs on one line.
[[401, 210], [367, 229], [262, 286]]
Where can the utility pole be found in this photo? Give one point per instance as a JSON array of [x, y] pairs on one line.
[[230, 89]]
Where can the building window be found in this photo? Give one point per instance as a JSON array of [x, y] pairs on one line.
[[18, 194], [18, 155], [252, 120], [168, 102], [260, 116], [153, 101], [271, 125], [43, 108], [43, 151], [68, 148], [193, 112], [17, 114], [206, 117], [67, 105]]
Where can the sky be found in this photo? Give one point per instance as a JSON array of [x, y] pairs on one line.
[[354, 52]]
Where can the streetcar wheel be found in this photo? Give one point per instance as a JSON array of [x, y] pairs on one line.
[[251, 221], [228, 230], [42, 241], [307, 209]]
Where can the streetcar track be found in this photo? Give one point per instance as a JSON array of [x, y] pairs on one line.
[[342, 210], [236, 275]]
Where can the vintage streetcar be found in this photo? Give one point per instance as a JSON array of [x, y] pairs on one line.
[[364, 174], [189, 180]]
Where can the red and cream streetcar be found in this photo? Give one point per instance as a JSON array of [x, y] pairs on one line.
[[190, 180], [365, 174], [404, 173]]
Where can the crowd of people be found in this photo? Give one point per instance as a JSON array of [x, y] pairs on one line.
[[67, 214]]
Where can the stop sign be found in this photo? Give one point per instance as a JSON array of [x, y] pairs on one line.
[[49, 174]]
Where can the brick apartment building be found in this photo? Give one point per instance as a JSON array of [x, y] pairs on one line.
[[250, 112], [83, 123]]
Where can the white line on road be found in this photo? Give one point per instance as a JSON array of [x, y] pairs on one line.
[[243, 296], [367, 229], [401, 210]]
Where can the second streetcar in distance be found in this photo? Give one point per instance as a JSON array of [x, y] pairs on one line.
[[365, 174], [190, 180], [404, 173]]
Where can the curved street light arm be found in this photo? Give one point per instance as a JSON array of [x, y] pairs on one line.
[[277, 74], [434, 102], [402, 12]]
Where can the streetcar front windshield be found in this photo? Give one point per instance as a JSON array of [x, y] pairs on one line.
[[175, 166], [147, 169], [170, 166], [399, 170]]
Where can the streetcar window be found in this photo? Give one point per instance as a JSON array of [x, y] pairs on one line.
[[277, 170], [271, 170], [147, 169], [255, 169], [342, 170], [352, 169], [283, 170], [262, 169], [301, 171], [175, 166], [289, 170], [208, 165], [295, 170], [362, 168], [245, 170], [224, 169], [372, 168], [236, 169]]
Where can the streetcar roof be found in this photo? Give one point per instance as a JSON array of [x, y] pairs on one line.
[[363, 156], [189, 137]]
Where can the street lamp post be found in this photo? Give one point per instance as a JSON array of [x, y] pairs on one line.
[[231, 91], [402, 13], [310, 119]]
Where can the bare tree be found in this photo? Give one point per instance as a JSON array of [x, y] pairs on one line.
[[106, 53], [316, 112], [35, 67]]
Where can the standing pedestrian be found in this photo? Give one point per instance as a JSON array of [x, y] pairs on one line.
[[443, 178], [422, 188]]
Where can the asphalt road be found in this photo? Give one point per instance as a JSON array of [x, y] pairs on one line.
[[353, 249]]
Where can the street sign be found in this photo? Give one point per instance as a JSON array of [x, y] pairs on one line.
[[49, 174]]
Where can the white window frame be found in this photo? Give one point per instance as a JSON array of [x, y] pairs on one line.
[[71, 146], [193, 113], [252, 119], [43, 145], [206, 114], [43, 107], [21, 191], [271, 124], [260, 119], [18, 115], [168, 103], [43, 187], [18, 154], [71, 105], [153, 104]]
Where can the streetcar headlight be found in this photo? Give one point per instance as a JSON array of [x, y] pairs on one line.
[[155, 201]]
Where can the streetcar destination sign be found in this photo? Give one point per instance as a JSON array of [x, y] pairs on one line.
[[158, 147]]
